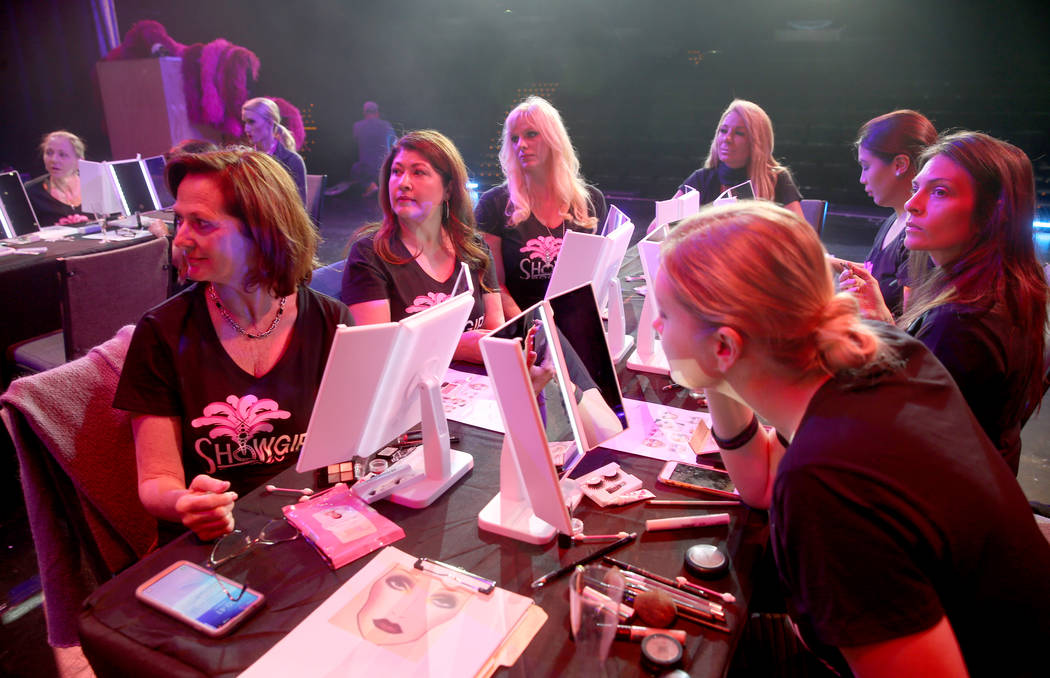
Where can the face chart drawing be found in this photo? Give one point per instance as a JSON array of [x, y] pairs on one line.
[[404, 604]]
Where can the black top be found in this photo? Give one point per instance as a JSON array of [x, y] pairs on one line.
[[529, 250], [990, 362], [889, 265], [234, 426], [891, 509], [293, 162], [367, 277], [706, 180], [49, 209]]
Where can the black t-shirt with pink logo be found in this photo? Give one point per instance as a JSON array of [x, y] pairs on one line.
[[530, 249], [367, 277], [235, 426]]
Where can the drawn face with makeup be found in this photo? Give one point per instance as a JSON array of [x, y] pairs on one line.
[[404, 604]]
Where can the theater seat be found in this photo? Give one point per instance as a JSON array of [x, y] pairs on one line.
[[815, 212], [315, 184], [100, 293]]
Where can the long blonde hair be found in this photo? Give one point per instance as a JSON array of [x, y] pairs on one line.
[[267, 108], [762, 167], [760, 269], [568, 186]]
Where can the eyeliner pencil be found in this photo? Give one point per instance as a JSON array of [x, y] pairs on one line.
[[605, 550]]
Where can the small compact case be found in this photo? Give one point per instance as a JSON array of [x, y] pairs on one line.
[[605, 485]]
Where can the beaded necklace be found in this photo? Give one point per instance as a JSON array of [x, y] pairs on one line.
[[214, 296]]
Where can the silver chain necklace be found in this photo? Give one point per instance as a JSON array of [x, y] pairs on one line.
[[214, 296]]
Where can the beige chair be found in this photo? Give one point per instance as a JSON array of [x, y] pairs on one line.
[[100, 293], [315, 184], [815, 212], [76, 458]]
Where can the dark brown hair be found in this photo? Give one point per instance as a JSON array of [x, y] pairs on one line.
[[443, 156], [259, 192], [999, 269], [902, 132]]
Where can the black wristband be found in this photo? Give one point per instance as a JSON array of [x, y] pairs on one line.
[[783, 441], [740, 439]]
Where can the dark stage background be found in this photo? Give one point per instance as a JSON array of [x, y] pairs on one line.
[[640, 84]]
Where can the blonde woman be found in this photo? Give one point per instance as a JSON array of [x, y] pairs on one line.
[[524, 220], [894, 522], [742, 149], [56, 195], [262, 126]]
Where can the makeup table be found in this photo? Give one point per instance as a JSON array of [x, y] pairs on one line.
[[121, 636], [30, 292]]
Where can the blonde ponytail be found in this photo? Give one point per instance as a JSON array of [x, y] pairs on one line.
[[843, 342], [284, 136]]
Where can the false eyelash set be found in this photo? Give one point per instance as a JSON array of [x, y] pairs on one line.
[[610, 485]]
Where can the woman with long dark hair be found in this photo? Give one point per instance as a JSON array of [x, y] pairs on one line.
[[411, 259], [888, 150], [979, 301]]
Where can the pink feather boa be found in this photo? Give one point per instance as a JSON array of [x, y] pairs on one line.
[[215, 77], [236, 65], [213, 109], [139, 41]]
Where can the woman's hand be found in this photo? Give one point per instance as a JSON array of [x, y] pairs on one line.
[[541, 374], [856, 280], [72, 219], [207, 507], [469, 347]]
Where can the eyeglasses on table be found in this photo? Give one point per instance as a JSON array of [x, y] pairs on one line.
[[239, 542]]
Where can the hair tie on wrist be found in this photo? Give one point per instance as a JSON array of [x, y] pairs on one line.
[[740, 439], [783, 441]]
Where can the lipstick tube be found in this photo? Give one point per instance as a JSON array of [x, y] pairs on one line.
[[686, 521]]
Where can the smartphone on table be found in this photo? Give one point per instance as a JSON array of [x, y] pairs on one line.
[[193, 595], [696, 477]]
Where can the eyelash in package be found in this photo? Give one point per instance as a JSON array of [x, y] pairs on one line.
[[607, 484]]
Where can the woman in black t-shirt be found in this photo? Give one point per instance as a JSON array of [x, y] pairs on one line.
[[979, 302], [411, 260], [56, 195], [888, 149], [221, 379], [894, 523], [262, 126], [742, 149], [524, 220]]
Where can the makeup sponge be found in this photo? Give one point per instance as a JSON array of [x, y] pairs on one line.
[[655, 608]]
